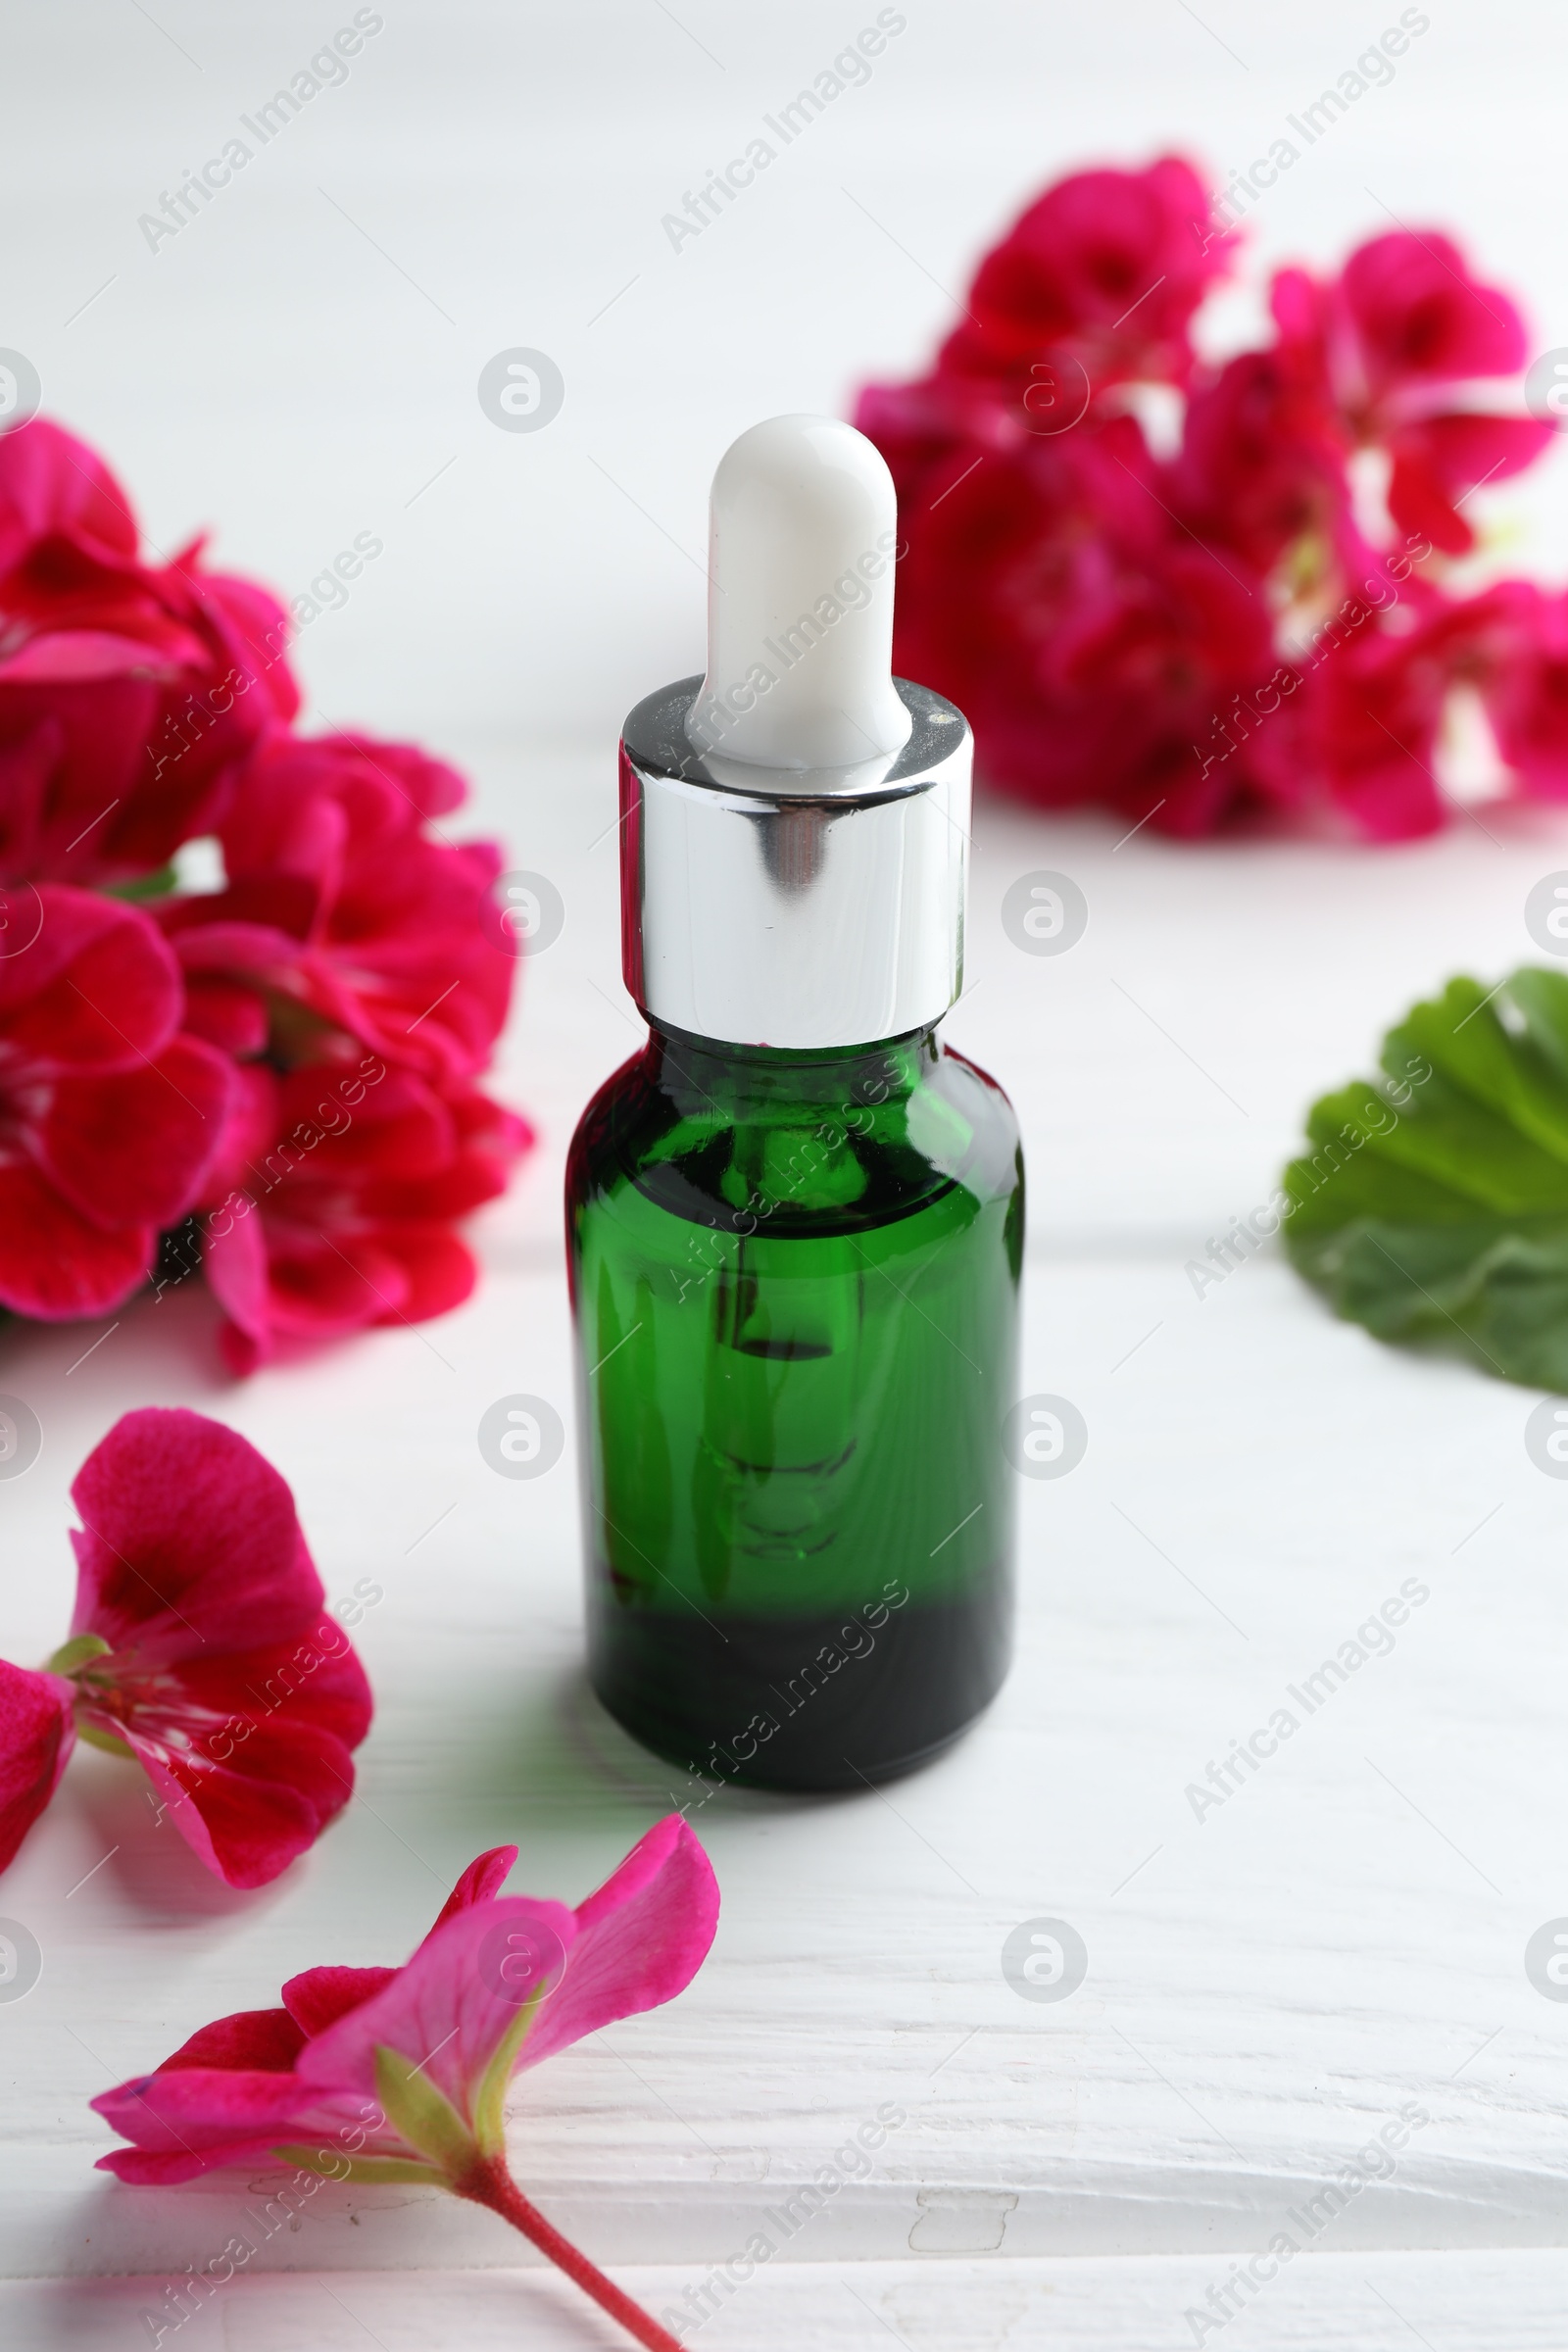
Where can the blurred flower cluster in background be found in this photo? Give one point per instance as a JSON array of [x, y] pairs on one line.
[[1210, 594], [246, 986]]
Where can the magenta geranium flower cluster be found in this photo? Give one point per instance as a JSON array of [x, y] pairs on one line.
[[1206, 593], [272, 1080]]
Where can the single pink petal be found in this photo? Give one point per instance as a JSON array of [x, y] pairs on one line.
[[55, 1263], [252, 1752], [319, 1996], [142, 2167], [98, 988], [1422, 317], [192, 1545], [244, 2093], [454, 2002], [188, 2119], [640, 1939], [251, 626], [36, 1736], [49, 482], [253, 1122], [227, 1013], [1437, 460], [314, 1678], [320, 1284], [480, 1883], [63, 655], [234, 1261], [438, 1270], [132, 1147], [246, 1831], [242, 1352], [265, 2040]]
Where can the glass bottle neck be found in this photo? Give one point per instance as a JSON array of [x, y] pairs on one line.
[[749, 1081]]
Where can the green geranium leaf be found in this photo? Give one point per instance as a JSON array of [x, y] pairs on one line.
[[1431, 1202]]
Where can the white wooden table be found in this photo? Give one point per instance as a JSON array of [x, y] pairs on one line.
[[1268, 1985]]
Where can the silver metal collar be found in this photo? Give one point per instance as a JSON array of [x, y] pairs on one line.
[[791, 907]]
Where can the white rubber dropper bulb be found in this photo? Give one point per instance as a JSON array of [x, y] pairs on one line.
[[802, 544]]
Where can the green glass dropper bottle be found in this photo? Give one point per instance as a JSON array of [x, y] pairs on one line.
[[795, 1219]]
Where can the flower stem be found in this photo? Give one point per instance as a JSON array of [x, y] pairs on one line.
[[490, 2184]]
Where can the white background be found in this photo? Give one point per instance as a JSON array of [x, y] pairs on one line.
[[1265, 1988]]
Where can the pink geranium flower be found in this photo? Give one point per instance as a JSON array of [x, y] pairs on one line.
[[339, 908], [1389, 340], [276, 1075], [1207, 594], [1416, 314], [331, 1206], [1107, 266], [350, 965], [128, 691], [200, 1645], [400, 2074], [109, 1117]]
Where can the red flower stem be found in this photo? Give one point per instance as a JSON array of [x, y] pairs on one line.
[[493, 2186]]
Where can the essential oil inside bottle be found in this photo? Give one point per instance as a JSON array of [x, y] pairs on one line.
[[796, 1282]]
